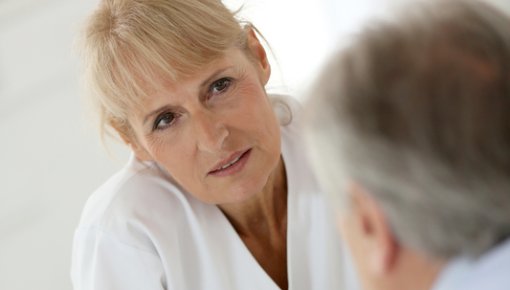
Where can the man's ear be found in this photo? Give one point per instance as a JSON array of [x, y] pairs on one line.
[[259, 55], [375, 231]]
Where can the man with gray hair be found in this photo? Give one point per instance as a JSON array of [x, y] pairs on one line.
[[410, 131]]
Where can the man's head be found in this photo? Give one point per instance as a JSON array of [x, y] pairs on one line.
[[410, 128]]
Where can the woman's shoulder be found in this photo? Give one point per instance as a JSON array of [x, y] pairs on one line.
[[137, 194], [294, 149]]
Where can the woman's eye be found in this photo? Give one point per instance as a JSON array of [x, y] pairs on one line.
[[220, 85], [163, 121]]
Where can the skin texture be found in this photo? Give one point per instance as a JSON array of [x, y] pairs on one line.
[[196, 123]]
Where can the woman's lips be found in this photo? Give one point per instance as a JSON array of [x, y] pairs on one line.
[[232, 165]]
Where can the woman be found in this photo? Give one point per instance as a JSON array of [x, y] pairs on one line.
[[217, 194]]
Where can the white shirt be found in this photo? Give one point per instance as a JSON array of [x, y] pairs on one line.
[[491, 271], [142, 231]]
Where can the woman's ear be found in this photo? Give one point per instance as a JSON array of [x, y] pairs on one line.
[[259, 55], [128, 136], [140, 152]]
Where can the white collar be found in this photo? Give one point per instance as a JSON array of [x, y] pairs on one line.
[[491, 271]]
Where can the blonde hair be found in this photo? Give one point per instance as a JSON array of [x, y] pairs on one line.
[[129, 46]]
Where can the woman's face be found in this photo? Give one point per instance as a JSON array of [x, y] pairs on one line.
[[215, 132]]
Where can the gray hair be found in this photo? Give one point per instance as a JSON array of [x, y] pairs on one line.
[[418, 111]]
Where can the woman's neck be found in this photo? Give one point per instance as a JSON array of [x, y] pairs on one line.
[[261, 222], [265, 213]]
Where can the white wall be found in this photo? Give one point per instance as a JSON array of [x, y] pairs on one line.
[[50, 158]]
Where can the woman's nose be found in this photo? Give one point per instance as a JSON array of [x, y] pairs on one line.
[[210, 131]]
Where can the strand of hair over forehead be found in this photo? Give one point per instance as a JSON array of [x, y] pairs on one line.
[[132, 47]]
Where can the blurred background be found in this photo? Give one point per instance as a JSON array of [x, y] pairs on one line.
[[51, 158]]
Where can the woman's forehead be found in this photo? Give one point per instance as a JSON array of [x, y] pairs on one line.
[[231, 59], [176, 90]]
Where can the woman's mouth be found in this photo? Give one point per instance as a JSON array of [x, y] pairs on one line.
[[231, 165]]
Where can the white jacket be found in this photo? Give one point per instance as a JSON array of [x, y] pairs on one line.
[[141, 231]]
